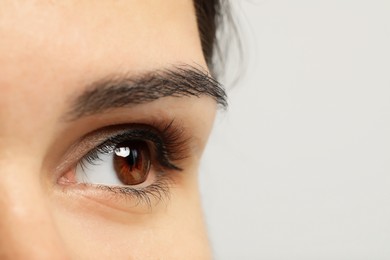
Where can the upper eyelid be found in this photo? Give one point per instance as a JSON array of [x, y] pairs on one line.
[[165, 153], [90, 141]]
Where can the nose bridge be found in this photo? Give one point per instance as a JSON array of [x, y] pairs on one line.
[[27, 230]]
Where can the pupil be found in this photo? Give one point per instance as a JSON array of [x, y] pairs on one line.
[[132, 162], [132, 158]]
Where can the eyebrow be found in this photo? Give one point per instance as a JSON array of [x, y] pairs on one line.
[[123, 91]]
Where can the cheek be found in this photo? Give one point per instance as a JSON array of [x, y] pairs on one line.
[[173, 229]]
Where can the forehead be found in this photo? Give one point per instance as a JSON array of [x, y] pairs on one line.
[[139, 32], [50, 49]]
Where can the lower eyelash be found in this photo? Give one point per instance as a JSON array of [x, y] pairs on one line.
[[151, 195]]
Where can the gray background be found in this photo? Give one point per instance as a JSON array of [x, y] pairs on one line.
[[298, 167]]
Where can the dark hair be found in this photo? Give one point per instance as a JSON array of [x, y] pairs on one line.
[[208, 14], [218, 33], [216, 26]]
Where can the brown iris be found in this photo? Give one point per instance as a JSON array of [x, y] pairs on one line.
[[132, 162]]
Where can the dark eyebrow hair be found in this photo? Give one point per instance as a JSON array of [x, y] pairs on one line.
[[120, 91]]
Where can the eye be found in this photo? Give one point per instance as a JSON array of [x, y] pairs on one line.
[[131, 160]]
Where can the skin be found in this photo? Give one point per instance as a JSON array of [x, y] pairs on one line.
[[49, 52]]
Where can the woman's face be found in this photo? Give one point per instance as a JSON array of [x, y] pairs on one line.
[[105, 110]]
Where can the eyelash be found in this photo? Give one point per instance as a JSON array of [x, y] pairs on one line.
[[168, 146]]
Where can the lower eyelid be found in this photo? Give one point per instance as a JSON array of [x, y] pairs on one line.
[[124, 198]]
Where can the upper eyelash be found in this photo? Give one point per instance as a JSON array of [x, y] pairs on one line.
[[168, 143]]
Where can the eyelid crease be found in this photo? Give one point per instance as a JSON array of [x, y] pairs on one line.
[[85, 144], [168, 145], [179, 141]]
